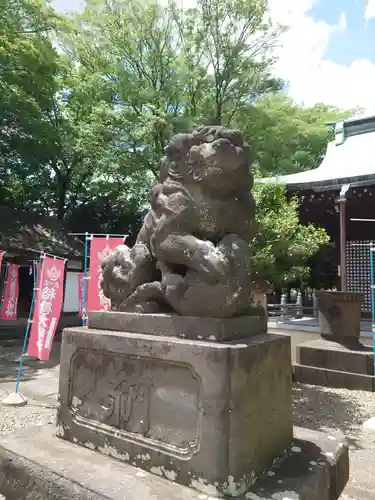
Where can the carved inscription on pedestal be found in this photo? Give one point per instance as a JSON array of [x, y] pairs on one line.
[[143, 400]]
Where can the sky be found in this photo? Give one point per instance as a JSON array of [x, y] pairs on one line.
[[328, 53]]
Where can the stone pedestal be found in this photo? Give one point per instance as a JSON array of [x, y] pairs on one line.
[[205, 414], [338, 359], [339, 314]]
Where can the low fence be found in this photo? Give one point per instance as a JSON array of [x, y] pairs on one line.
[[296, 310], [292, 310]]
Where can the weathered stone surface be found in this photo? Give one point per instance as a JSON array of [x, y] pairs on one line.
[[34, 465], [207, 415], [192, 252], [340, 314], [332, 364], [174, 325]]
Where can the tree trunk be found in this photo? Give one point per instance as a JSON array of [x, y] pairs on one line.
[[62, 189]]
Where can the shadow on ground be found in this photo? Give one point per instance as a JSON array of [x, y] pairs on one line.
[[328, 410], [10, 355]]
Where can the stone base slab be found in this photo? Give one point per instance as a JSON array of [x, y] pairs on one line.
[[347, 364], [34, 464], [174, 325], [194, 411]]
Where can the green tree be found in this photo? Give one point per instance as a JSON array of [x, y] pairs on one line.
[[61, 137], [84, 128], [131, 49], [287, 137], [226, 54], [166, 69], [27, 69], [323, 268], [80, 144], [87, 139], [282, 246]]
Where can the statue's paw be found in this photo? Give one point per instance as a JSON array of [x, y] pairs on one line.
[[214, 268], [149, 307]]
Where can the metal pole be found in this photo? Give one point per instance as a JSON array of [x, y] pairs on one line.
[[85, 278], [108, 235], [28, 326], [42, 252]]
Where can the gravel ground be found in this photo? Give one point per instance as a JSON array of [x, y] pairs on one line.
[[326, 409], [34, 413], [35, 384], [323, 408]]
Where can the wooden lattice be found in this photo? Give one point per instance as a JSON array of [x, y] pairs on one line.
[[358, 269]]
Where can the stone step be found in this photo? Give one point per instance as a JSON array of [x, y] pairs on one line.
[[333, 378], [353, 358]]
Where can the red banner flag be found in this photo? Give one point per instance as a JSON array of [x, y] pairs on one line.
[[10, 299], [81, 278], [100, 248], [47, 307]]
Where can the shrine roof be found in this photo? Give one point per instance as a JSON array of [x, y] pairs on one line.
[[350, 158], [25, 232]]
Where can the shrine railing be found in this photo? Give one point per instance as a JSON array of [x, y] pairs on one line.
[[291, 311]]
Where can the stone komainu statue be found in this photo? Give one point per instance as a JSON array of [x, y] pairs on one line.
[[192, 252]]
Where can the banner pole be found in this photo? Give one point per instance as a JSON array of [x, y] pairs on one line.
[[110, 235], [29, 321], [41, 252], [16, 398], [84, 307]]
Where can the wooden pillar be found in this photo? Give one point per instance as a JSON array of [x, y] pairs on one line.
[[342, 207], [341, 200]]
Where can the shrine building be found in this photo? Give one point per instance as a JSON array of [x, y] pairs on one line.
[[339, 195], [23, 236]]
